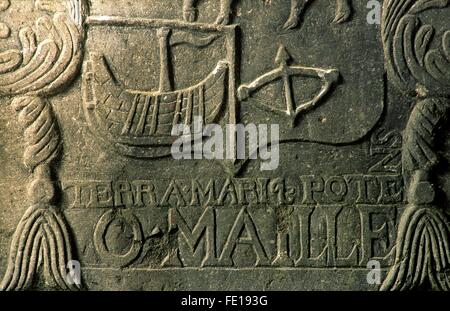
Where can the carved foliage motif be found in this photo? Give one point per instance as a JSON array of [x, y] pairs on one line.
[[414, 66], [49, 57]]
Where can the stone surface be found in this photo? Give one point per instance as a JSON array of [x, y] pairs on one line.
[[90, 92]]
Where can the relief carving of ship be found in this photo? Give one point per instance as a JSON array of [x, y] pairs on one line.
[[141, 122], [140, 115]]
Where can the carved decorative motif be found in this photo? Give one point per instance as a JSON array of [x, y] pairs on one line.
[[139, 122], [420, 70], [328, 78], [48, 60]]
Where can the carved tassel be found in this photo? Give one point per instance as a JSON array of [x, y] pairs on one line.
[[423, 251], [423, 241], [42, 236]]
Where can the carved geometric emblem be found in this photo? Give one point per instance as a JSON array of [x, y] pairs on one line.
[[286, 73]]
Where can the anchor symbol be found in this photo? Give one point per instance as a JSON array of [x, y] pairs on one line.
[[329, 77]]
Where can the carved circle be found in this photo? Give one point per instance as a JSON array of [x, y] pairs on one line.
[[112, 251]]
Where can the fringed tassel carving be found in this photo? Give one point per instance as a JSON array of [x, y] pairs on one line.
[[422, 251], [423, 245], [42, 237]]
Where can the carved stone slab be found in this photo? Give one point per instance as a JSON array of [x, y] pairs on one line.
[[90, 94]]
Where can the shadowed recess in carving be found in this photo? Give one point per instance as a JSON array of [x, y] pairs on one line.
[[110, 255]]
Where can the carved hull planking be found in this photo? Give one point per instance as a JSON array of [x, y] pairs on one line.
[[129, 114]]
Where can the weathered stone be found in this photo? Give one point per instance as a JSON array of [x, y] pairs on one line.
[[90, 95]]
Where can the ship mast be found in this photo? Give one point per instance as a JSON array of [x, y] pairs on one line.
[[165, 84]]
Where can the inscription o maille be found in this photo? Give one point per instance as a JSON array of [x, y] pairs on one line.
[[217, 238]]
